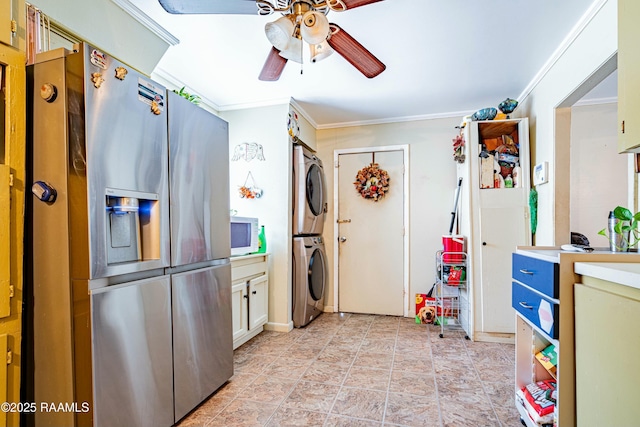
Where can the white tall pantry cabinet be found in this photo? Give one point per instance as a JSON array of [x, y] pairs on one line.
[[494, 221]]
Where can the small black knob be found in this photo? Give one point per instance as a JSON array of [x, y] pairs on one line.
[[254, 292], [245, 296], [484, 243]]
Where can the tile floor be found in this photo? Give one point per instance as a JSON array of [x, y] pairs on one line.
[[364, 370]]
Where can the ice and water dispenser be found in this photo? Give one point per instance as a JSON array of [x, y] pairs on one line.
[[132, 226]]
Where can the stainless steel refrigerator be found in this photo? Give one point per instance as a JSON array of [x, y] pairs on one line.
[[130, 244], [200, 251]]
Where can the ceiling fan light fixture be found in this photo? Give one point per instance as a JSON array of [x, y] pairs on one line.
[[293, 52], [320, 51], [314, 27], [279, 32]]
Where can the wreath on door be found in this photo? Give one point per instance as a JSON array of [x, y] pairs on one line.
[[372, 182]]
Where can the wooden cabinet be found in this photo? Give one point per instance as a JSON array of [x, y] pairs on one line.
[[607, 345], [544, 276], [494, 221], [628, 82], [249, 296]]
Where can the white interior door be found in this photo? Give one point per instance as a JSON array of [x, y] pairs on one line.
[[371, 238]]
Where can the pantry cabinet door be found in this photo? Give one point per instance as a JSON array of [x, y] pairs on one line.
[[501, 230]]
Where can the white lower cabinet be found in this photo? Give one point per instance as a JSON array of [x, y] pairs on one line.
[[249, 296]]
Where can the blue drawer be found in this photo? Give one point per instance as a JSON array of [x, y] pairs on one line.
[[540, 311], [537, 274]]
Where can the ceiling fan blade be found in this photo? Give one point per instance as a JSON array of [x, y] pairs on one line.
[[354, 52], [342, 5], [273, 66], [231, 7]]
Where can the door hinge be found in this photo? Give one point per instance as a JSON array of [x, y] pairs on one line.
[[9, 357], [10, 180], [11, 291], [336, 164], [14, 26]]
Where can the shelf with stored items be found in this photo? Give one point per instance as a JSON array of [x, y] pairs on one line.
[[543, 299], [496, 220], [249, 296], [450, 292]]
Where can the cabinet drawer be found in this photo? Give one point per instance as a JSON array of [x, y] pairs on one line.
[[540, 311], [536, 273]]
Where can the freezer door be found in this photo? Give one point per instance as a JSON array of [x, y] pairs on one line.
[[132, 365], [198, 183], [202, 335]]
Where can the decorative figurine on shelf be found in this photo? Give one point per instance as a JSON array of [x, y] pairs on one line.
[[484, 114], [507, 106]]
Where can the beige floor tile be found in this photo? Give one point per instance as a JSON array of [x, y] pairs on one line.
[[363, 370], [312, 396], [360, 403], [287, 367], [328, 373], [371, 378], [334, 420], [268, 389], [372, 360], [289, 417], [412, 410], [411, 382], [243, 413]]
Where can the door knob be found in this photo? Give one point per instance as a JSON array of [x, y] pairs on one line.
[[342, 239]]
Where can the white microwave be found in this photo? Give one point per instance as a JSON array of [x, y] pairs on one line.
[[244, 235]]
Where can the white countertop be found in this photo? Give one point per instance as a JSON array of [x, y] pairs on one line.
[[552, 254], [240, 257], [618, 272]]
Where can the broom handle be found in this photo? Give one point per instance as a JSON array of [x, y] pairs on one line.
[[455, 207]]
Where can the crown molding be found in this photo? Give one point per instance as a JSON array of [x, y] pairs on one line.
[[596, 101], [147, 21], [562, 48]]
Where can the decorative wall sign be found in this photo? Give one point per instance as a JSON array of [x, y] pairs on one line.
[[372, 182], [248, 151]]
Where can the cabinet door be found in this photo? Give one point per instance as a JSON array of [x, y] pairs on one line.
[[628, 83], [501, 230], [607, 346], [239, 309], [258, 301]]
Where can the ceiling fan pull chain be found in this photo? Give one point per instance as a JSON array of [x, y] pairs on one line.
[[301, 59]]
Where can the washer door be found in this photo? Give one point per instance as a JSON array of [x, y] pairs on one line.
[[316, 274], [315, 189]]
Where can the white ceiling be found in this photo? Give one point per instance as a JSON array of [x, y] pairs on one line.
[[443, 58]]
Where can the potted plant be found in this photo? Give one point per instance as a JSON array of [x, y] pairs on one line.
[[626, 226]]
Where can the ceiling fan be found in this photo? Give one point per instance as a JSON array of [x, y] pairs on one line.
[[302, 20]]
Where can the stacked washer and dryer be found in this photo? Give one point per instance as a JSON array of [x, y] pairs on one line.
[[309, 259]]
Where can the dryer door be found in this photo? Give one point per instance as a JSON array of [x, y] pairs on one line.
[[316, 277], [315, 189]]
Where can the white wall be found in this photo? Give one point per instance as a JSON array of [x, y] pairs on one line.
[[106, 26], [591, 49], [432, 184], [268, 127], [599, 174]]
